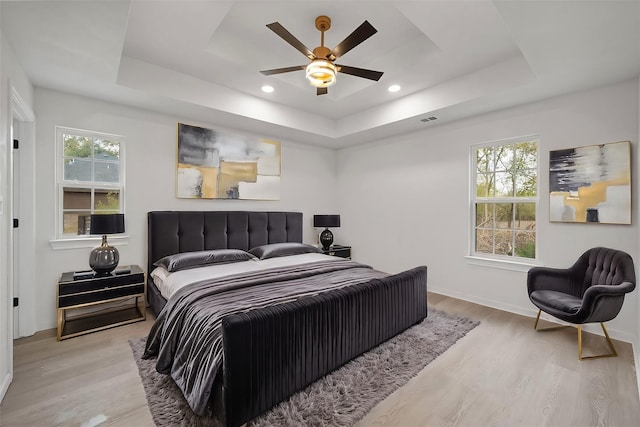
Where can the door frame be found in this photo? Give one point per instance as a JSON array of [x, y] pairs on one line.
[[25, 117], [19, 112]]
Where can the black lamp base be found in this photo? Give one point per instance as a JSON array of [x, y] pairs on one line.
[[326, 239], [104, 259]]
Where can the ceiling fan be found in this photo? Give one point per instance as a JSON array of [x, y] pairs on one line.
[[321, 71]]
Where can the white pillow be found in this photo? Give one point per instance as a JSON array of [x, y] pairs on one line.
[[159, 275]]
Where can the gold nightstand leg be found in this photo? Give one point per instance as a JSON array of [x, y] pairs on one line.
[[141, 305], [60, 322]]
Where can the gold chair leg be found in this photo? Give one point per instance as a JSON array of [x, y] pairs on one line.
[[580, 342], [613, 353], [550, 328]]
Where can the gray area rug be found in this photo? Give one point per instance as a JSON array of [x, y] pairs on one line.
[[340, 398]]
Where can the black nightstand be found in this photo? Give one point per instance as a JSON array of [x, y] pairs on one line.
[[338, 250], [87, 291]]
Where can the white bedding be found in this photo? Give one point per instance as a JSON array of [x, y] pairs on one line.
[[169, 283]]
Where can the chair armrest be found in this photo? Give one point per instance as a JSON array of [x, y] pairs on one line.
[[552, 279], [609, 290], [601, 303]]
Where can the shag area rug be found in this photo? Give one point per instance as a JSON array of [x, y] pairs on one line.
[[339, 399]]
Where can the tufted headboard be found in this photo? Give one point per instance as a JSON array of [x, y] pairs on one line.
[[171, 232]]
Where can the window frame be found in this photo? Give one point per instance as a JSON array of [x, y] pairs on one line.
[[511, 262], [68, 241]]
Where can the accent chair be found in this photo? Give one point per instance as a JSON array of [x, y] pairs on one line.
[[591, 290]]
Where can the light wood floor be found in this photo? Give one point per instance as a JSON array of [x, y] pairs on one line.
[[503, 373]]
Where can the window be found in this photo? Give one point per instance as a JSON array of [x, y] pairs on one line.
[[505, 198], [90, 178]]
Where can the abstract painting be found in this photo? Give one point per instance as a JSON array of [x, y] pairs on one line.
[[218, 165], [591, 184]]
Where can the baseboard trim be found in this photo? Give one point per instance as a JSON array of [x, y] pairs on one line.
[[532, 312], [5, 385]]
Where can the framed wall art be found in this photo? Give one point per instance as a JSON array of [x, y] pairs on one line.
[[217, 165], [591, 184]]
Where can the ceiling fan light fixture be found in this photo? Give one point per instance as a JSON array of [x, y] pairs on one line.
[[321, 73]]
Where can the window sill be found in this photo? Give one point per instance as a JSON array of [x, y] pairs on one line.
[[86, 242], [522, 266]]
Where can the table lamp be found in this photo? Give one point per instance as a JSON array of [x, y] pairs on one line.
[[326, 237], [104, 259]]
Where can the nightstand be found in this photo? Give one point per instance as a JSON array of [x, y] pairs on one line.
[[87, 291], [338, 250]]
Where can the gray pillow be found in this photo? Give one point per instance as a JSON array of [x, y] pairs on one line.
[[282, 249], [186, 260]]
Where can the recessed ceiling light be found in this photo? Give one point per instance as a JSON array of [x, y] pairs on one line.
[[267, 89], [394, 88]]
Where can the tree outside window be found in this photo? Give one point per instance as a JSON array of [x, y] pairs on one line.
[[505, 198]]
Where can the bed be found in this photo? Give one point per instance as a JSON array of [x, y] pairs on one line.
[[244, 342]]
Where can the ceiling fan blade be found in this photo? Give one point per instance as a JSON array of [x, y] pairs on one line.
[[282, 70], [322, 91], [360, 72], [290, 38], [360, 34]]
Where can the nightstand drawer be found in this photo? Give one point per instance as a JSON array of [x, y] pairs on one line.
[[100, 295], [90, 285], [343, 253], [339, 251]]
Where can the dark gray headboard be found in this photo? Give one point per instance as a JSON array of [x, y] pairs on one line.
[[171, 232]]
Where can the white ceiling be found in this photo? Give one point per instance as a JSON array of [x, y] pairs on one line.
[[201, 59]]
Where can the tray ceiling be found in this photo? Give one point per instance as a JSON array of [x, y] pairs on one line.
[[201, 59]]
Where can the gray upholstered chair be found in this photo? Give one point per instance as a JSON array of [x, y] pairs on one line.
[[591, 290]]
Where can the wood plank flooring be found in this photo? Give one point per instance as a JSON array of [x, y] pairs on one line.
[[503, 373], [85, 381]]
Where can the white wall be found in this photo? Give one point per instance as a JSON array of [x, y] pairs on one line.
[[637, 341], [11, 76], [308, 181], [6, 369], [420, 179], [404, 201]]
